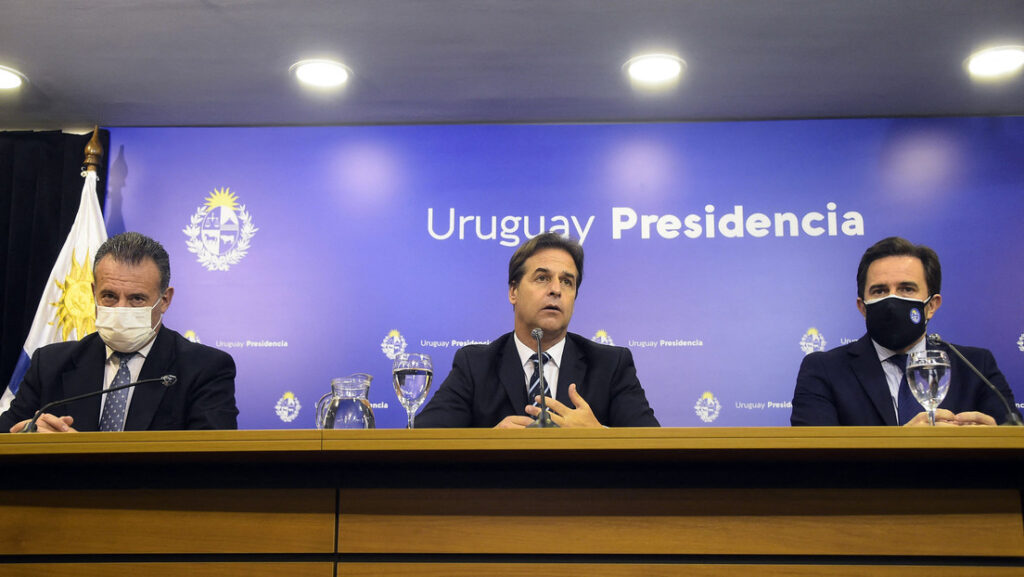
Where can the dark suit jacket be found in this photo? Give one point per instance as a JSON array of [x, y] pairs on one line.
[[846, 386], [487, 383], [203, 397]]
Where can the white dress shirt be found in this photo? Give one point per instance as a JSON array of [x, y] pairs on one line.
[[550, 367]]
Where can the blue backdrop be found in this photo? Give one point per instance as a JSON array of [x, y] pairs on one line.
[[720, 253]]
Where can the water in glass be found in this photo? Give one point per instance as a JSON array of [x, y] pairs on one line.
[[412, 373], [928, 377]]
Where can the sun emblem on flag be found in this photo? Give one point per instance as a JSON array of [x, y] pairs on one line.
[[76, 309], [220, 231]]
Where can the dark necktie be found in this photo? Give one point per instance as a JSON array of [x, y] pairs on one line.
[[907, 406], [116, 404], [534, 389]]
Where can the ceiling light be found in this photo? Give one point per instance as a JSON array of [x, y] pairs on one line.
[[655, 69], [320, 73], [10, 78], [997, 62]]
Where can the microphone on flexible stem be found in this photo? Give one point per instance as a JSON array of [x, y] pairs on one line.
[[30, 427], [543, 420], [1011, 416]]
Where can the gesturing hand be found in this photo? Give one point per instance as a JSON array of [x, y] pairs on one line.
[[563, 416]]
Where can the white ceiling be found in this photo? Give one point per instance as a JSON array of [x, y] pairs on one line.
[[225, 62]]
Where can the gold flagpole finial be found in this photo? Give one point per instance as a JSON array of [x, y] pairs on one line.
[[93, 151]]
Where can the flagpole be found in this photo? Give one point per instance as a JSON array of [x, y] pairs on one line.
[[93, 151]]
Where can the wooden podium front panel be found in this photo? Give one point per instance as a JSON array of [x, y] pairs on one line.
[[167, 521], [660, 570], [271, 569], [845, 522], [622, 502]]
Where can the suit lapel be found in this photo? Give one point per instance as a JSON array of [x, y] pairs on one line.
[[573, 370], [864, 365], [85, 377], [146, 398], [512, 375]]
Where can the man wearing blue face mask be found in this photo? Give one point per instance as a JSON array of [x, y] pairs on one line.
[[131, 275], [862, 383]]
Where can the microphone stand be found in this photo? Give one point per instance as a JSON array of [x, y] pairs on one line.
[[543, 420], [1011, 416], [30, 427]]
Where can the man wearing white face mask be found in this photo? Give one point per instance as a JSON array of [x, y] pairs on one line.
[[862, 383], [132, 291]]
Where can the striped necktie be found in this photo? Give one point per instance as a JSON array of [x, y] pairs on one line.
[[534, 388]]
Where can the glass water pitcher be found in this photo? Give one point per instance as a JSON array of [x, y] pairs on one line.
[[347, 406]]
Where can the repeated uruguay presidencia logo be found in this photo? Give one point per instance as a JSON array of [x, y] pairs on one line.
[[220, 231], [707, 407], [191, 335], [1020, 343], [602, 338], [287, 407], [812, 341], [393, 344]]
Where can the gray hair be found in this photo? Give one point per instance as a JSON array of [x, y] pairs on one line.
[[132, 248]]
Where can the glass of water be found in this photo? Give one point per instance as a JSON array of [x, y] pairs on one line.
[[412, 374], [928, 377]]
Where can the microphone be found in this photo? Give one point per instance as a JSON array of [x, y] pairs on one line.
[[1011, 416], [30, 427], [543, 420]]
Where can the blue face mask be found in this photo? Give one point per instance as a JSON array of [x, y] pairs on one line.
[[896, 322]]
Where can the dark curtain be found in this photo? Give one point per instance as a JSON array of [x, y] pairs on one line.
[[40, 189]]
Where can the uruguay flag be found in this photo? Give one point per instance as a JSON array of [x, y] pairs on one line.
[[67, 310]]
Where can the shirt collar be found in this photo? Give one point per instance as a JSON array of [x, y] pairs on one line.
[[884, 354], [525, 352]]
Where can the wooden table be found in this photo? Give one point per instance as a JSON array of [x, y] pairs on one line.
[[622, 502]]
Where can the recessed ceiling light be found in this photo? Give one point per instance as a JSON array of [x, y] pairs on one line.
[[320, 73], [996, 62], [655, 69], [10, 78]]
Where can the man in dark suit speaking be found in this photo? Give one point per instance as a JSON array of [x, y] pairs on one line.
[[131, 274], [490, 385], [862, 383]]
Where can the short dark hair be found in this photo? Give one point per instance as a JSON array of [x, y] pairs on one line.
[[517, 264], [896, 246], [132, 248]]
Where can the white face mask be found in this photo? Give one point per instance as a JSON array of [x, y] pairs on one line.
[[126, 329]]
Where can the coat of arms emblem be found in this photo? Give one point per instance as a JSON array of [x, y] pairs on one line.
[[220, 231]]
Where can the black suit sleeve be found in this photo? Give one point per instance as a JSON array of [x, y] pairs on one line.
[[212, 398], [28, 400], [628, 405], [988, 402], [813, 402], [452, 404]]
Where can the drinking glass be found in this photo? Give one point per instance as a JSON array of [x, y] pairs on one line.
[[928, 377], [412, 374]]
